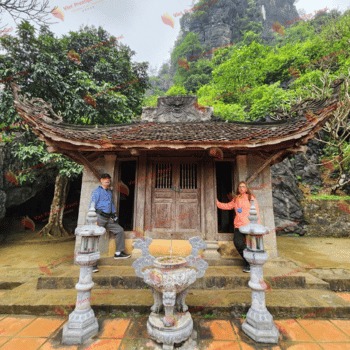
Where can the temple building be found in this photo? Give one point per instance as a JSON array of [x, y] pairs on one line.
[[170, 165]]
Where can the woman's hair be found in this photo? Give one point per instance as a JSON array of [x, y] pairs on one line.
[[250, 194]]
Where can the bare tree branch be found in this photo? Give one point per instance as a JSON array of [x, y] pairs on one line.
[[23, 10]]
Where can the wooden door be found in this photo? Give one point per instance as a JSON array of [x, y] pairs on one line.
[[175, 196]]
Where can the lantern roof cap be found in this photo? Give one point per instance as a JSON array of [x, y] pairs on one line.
[[90, 229], [253, 228]]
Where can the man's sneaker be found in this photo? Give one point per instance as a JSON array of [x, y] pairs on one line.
[[121, 256], [246, 269], [95, 269]]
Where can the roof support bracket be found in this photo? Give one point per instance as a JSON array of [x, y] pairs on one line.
[[264, 165], [86, 163]]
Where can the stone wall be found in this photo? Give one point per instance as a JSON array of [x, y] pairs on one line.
[[327, 218]]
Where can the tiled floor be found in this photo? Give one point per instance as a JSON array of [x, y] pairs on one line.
[[45, 333]]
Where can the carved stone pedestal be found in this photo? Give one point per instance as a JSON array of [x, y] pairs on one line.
[[178, 333], [211, 252]]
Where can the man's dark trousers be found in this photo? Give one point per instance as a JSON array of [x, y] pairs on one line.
[[238, 240], [114, 228]]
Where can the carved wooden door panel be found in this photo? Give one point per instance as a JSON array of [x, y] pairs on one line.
[[176, 196]]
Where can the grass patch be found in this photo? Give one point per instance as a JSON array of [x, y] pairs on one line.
[[329, 197]]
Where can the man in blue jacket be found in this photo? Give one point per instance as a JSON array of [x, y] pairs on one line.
[[107, 216]]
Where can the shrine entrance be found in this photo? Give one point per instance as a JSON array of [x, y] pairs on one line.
[[175, 196]]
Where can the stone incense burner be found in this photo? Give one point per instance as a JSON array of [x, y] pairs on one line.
[[169, 279]]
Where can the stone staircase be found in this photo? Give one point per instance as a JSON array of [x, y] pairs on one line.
[[223, 290]]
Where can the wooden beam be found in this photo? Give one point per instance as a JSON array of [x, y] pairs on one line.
[[84, 161], [264, 165]]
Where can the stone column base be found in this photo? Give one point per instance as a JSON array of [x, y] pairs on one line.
[[259, 326], [81, 326], [212, 250]]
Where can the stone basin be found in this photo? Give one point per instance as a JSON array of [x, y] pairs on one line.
[[169, 278], [168, 262]]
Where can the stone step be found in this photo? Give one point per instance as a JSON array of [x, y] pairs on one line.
[[282, 303], [215, 278], [110, 261], [338, 279]]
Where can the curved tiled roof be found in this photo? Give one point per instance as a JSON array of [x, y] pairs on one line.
[[196, 129]]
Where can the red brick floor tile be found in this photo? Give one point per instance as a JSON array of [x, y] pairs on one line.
[[49, 345], [114, 328], [217, 329], [237, 327], [336, 346], [23, 344], [14, 324], [41, 327], [3, 340], [253, 347], [294, 331], [345, 296], [344, 325], [104, 344], [305, 346], [219, 345], [137, 328], [323, 330]]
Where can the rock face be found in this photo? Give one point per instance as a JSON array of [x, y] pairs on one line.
[[289, 216], [12, 195], [222, 22], [293, 213], [279, 11]]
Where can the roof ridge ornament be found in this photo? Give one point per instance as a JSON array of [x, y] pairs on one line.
[[181, 108]]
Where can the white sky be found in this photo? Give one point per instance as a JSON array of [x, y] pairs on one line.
[[139, 21]]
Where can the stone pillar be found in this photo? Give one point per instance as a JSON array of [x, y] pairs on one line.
[[261, 187], [104, 164], [140, 192], [210, 208], [241, 171]]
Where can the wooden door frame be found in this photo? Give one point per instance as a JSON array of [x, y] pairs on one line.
[[233, 164], [117, 178], [148, 213]]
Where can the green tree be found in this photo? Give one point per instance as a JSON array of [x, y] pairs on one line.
[[64, 80], [176, 90]]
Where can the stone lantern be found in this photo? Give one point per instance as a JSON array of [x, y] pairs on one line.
[[82, 323], [258, 324]]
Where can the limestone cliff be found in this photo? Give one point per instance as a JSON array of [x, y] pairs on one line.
[[223, 21]]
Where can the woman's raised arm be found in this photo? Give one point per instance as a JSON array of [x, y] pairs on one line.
[[226, 206]]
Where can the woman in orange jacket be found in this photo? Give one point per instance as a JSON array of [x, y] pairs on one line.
[[241, 203]]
